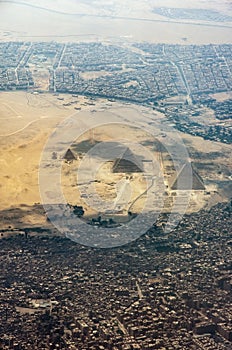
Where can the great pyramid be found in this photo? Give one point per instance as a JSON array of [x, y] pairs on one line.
[[182, 182], [128, 163]]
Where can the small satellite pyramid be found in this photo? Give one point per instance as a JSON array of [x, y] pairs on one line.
[[69, 156], [183, 182], [128, 163]]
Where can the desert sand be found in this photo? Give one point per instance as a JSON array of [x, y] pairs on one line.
[[28, 119]]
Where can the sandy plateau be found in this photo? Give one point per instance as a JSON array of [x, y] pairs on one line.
[[27, 120]]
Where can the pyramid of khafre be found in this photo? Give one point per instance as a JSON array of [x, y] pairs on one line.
[[128, 163], [69, 155], [183, 179]]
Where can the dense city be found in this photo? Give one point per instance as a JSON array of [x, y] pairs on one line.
[[163, 291], [178, 80]]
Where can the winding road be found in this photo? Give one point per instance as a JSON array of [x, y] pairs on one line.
[[25, 127]]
